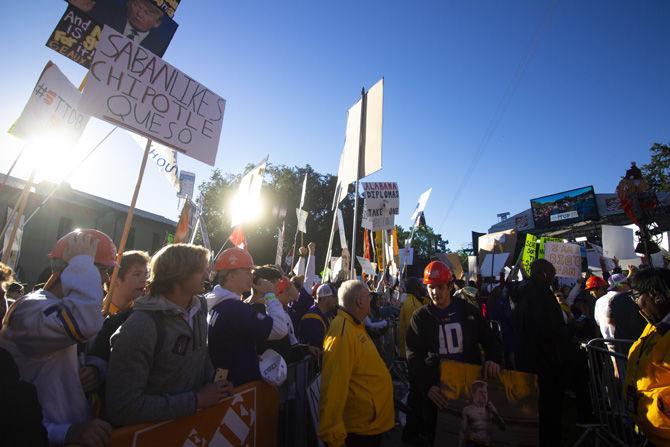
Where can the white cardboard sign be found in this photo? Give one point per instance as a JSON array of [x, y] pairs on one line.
[[381, 204], [565, 258], [137, 90]]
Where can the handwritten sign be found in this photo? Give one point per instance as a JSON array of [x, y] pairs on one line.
[[247, 418], [541, 244], [565, 258], [529, 252], [76, 36], [367, 266], [51, 113], [381, 203], [132, 88]]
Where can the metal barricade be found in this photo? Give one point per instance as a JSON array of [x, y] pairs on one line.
[[295, 427], [607, 371]]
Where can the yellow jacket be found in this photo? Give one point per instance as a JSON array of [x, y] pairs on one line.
[[356, 389], [648, 377], [410, 304]]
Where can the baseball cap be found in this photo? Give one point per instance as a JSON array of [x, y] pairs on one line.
[[323, 291]]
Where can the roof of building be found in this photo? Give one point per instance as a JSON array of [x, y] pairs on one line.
[[74, 196]]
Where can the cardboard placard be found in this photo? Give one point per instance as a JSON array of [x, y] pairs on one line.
[[618, 241], [51, 114], [381, 203], [302, 220], [493, 264], [529, 252], [134, 89], [406, 256], [367, 267], [483, 411], [76, 36], [566, 259], [247, 418], [186, 184]]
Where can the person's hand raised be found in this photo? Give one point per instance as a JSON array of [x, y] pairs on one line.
[[80, 244]]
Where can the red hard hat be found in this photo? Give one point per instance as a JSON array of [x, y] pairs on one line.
[[437, 273], [105, 254], [233, 258], [594, 282]]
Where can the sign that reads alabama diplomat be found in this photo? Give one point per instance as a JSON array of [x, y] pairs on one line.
[[382, 201], [135, 89]]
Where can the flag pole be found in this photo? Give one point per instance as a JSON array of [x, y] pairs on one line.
[[129, 221], [11, 168], [17, 218], [361, 149], [330, 243]]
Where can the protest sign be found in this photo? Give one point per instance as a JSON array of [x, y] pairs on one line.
[[51, 115], [367, 267], [618, 241], [340, 227], [487, 411], [493, 264], [379, 248], [500, 242], [541, 245], [565, 258], [420, 206], [381, 203], [167, 6], [472, 266], [529, 252], [186, 185], [247, 418], [368, 157], [453, 261], [76, 36], [406, 256], [302, 219], [136, 90], [335, 266]]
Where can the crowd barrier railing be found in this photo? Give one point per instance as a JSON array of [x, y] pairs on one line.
[[607, 371], [295, 426]]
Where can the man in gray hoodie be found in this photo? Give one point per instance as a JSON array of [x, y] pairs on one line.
[[159, 367]]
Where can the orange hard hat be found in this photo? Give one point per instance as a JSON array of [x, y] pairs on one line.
[[105, 254], [594, 282], [233, 258], [437, 273]]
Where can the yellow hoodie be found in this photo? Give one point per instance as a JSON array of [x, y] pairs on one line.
[[648, 382], [356, 389], [410, 304]]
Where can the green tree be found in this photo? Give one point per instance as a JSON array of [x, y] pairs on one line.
[[425, 241], [281, 188], [657, 172]]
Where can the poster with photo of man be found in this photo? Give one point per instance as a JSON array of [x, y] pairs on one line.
[[139, 20], [77, 33], [487, 412]]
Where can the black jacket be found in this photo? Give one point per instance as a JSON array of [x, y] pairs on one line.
[[430, 339], [542, 335]]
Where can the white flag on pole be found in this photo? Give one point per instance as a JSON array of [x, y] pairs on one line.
[[248, 194], [420, 206], [304, 190], [340, 226], [164, 158], [302, 220], [370, 160]]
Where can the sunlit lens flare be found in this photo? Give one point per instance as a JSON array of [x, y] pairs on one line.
[[52, 160], [245, 208]]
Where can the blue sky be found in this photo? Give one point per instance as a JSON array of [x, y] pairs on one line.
[[593, 97]]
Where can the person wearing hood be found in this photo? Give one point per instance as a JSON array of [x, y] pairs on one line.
[[234, 326], [159, 366], [42, 330], [647, 383]]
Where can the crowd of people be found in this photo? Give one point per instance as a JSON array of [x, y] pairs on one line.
[[178, 332]]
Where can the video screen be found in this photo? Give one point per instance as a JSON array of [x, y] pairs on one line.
[[565, 208]]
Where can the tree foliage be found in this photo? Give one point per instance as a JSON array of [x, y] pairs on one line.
[[657, 172], [281, 189]]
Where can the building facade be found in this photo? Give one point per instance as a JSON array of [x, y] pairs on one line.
[[66, 210]]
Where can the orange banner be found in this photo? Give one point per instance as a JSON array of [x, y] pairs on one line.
[[247, 418]]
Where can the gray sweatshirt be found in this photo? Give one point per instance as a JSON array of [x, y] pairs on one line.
[[147, 386]]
